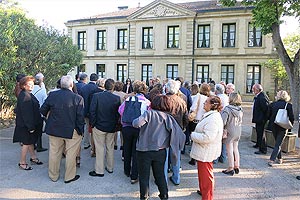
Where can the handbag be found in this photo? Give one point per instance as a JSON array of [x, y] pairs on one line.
[[192, 115], [225, 134], [282, 119]]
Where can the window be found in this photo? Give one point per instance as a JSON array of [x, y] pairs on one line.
[[146, 72], [227, 73], [121, 72], [172, 71], [100, 68], [81, 40], [122, 39], [254, 36], [81, 68], [147, 38], [173, 37], [202, 73], [228, 35], [101, 40], [253, 76], [203, 36]]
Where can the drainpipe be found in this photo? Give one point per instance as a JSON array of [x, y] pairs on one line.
[[128, 46], [193, 51]]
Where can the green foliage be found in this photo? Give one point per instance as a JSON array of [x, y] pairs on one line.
[[292, 44], [27, 48]]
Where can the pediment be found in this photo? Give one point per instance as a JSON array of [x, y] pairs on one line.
[[161, 9]]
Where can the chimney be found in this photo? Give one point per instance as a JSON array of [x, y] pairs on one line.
[[123, 7]]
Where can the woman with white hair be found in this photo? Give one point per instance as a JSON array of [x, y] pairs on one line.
[[279, 133]]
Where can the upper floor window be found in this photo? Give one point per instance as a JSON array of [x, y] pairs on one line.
[[202, 74], [81, 40], [122, 39], [100, 70], [254, 36], [228, 36], [147, 38], [172, 71], [101, 40], [173, 37], [146, 72], [227, 73], [203, 36], [121, 72], [253, 76]]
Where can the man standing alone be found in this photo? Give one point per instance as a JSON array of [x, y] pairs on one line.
[[103, 119], [64, 126], [259, 117]]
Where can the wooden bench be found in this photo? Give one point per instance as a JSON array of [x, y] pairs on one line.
[[288, 145]]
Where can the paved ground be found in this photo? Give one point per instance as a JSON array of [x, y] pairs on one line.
[[255, 181]]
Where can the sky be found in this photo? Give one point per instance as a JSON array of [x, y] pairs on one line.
[[57, 12]]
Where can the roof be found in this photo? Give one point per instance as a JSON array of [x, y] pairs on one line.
[[198, 7]]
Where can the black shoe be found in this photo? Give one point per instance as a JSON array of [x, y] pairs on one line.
[[133, 181], [109, 171], [41, 149], [231, 172], [87, 146], [73, 179], [176, 184], [115, 147], [255, 146], [93, 173], [236, 170], [298, 177], [163, 196], [199, 192], [192, 162], [260, 152], [35, 161], [121, 148]]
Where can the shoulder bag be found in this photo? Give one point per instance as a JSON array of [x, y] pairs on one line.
[[282, 119], [192, 114]]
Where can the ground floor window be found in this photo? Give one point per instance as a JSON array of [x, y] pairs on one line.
[[100, 69], [227, 73], [146, 72], [202, 74], [81, 68], [172, 71], [121, 72], [253, 76]]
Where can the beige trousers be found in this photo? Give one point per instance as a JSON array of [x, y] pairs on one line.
[[104, 144], [57, 146]]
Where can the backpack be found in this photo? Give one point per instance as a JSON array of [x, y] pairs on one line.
[[132, 110]]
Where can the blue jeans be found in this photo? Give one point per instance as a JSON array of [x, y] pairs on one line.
[[175, 168], [223, 156]]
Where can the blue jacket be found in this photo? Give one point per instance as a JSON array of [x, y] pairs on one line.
[[104, 111], [187, 93], [87, 92], [65, 110], [80, 85]]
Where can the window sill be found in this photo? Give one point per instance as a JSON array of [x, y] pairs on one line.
[[204, 48]]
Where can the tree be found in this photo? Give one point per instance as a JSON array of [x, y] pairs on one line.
[[267, 14], [291, 43], [27, 48]]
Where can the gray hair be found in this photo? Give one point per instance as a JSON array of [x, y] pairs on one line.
[[173, 86], [220, 88], [230, 85], [66, 82], [83, 76]]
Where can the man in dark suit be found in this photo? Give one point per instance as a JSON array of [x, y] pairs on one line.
[[103, 118], [65, 126], [87, 92], [259, 117], [81, 82]]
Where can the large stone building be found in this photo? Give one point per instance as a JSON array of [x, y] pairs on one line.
[[197, 40]]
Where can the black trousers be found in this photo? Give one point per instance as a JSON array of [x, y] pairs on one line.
[[156, 160], [130, 135], [279, 136], [261, 136]]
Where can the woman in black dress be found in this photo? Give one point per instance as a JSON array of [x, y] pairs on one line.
[[28, 122]]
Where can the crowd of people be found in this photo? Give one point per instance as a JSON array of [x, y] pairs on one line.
[[155, 124]]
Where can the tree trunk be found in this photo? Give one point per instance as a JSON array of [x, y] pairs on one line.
[[292, 68]]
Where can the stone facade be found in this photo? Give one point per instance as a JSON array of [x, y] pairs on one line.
[[239, 63]]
